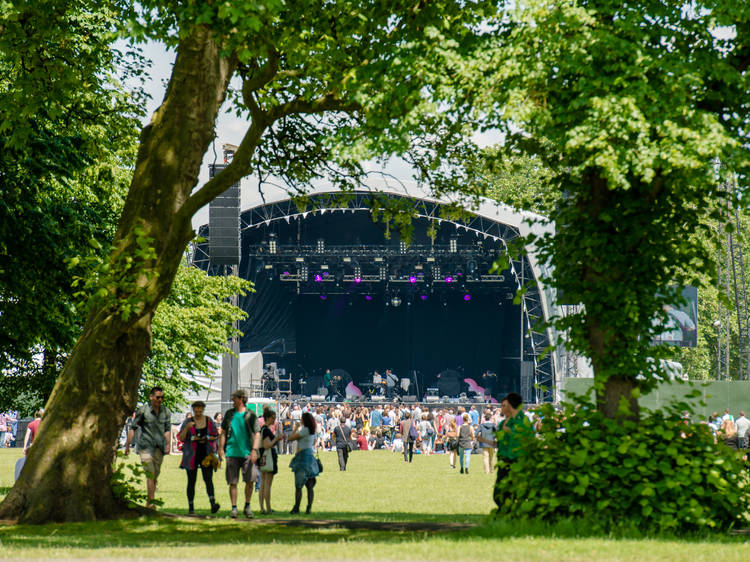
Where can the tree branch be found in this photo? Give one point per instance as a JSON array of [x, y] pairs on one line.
[[326, 102], [233, 173]]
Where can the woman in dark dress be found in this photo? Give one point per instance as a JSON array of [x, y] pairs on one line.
[[198, 435], [268, 441]]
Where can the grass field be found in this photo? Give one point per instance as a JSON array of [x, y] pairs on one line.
[[378, 487]]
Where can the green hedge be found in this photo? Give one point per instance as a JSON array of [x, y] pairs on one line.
[[661, 474]]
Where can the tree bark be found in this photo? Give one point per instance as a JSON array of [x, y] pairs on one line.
[[67, 473]]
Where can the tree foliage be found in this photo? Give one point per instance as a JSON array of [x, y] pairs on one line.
[[662, 474], [69, 136], [630, 106], [191, 327]]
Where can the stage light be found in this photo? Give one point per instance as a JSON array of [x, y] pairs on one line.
[[412, 279], [321, 246], [449, 279], [325, 273], [453, 245], [368, 297], [287, 274], [402, 247], [358, 280], [467, 297], [423, 297], [323, 297], [396, 301], [272, 244], [383, 273], [318, 278]]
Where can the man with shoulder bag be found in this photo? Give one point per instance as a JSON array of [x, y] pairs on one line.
[[240, 445], [343, 447]]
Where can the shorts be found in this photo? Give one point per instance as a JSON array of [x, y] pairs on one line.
[[152, 462], [235, 465]]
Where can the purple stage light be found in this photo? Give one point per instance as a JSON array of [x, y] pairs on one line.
[[286, 274], [368, 297], [358, 280], [318, 278], [323, 297], [325, 274], [467, 297], [412, 279], [423, 297], [449, 279]]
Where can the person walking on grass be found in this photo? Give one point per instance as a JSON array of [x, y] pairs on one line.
[[451, 441], [199, 435], [465, 443], [268, 442], [410, 434], [486, 438], [304, 464], [341, 435], [155, 422], [239, 445]]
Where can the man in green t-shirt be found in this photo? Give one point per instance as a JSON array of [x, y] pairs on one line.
[[509, 432], [239, 444]]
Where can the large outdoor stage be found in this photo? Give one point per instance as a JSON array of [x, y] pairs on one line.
[[336, 290]]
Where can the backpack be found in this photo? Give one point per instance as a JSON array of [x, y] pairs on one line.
[[413, 432]]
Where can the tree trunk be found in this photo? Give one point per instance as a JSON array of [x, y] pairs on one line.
[[605, 337], [615, 390], [67, 473]]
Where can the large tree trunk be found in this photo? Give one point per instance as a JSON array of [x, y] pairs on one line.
[[613, 386], [67, 473]]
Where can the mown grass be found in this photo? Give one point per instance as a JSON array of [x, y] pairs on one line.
[[379, 487]]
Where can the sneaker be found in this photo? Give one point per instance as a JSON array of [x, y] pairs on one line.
[[462, 470], [248, 512], [191, 511], [467, 471], [215, 507], [234, 513]]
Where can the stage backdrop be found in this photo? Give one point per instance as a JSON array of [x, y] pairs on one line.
[[359, 335]]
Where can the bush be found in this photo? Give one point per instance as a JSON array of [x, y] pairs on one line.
[[662, 474]]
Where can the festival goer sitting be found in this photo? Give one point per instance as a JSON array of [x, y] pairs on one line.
[[728, 433], [377, 441], [397, 446], [362, 441]]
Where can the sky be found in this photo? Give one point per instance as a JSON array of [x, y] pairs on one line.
[[230, 129]]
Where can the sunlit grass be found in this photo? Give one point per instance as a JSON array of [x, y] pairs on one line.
[[378, 486]]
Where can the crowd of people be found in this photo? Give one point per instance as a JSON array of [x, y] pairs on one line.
[[251, 446]]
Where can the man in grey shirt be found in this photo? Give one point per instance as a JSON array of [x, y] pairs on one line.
[[154, 421], [742, 424]]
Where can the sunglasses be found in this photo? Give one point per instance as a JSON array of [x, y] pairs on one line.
[[159, 396]]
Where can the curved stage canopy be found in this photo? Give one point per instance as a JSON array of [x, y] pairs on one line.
[[334, 289]]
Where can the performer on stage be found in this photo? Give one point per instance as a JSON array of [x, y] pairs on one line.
[[328, 382], [390, 381]]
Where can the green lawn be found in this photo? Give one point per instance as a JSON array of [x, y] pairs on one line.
[[378, 486]]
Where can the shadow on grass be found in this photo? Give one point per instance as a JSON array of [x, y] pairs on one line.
[[183, 531]]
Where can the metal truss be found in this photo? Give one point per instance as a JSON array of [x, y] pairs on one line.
[[536, 337]]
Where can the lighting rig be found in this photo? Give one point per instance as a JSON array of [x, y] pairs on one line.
[[402, 272]]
